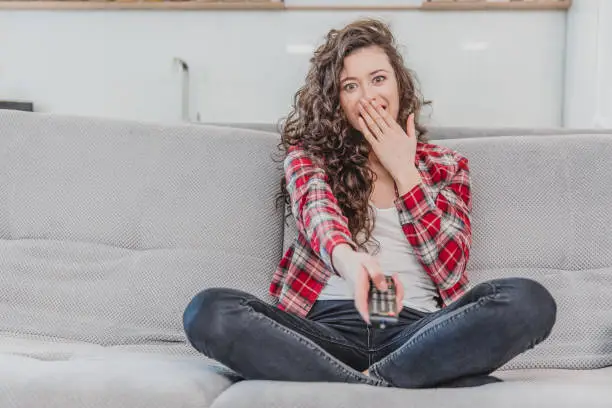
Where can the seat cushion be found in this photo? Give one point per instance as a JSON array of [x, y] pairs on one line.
[[525, 389], [35, 373]]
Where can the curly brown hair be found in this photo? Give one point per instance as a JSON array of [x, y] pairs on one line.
[[318, 124]]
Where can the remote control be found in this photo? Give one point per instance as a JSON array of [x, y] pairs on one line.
[[382, 305]]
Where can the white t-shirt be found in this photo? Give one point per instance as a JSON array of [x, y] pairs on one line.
[[395, 256]]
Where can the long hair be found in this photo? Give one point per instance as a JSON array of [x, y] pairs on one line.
[[318, 124]]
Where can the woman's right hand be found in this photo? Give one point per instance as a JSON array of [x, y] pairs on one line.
[[357, 268]]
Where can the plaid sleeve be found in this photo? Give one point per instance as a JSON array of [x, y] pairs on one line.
[[437, 225], [316, 210]]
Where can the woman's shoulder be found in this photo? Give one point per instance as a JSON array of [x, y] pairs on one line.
[[298, 154], [442, 155], [440, 162], [298, 160]]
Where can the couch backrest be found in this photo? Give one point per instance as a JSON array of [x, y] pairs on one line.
[[449, 132], [108, 228], [542, 208]]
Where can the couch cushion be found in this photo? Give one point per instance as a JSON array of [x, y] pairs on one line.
[[108, 228], [546, 389], [541, 209], [35, 372]]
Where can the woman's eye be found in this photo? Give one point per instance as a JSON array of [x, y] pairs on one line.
[[350, 87], [379, 78]]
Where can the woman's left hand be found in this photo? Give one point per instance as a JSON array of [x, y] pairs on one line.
[[394, 147]]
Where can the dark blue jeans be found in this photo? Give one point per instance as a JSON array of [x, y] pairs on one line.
[[488, 326]]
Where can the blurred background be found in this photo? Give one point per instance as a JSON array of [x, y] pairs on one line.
[[482, 63]]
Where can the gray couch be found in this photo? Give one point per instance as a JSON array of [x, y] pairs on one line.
[[110, 227]]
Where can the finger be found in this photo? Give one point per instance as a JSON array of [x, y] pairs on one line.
[[366, 132], [378, 278], [370, 122], [370, 107], [386, 117], [410, 129], [399, 292]]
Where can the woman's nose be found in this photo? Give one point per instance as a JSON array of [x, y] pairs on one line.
[[368, 93]]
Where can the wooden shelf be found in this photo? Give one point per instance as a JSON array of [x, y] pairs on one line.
[[137, 5], [357, 8], [490, 5], [266, 5], [453, 5]]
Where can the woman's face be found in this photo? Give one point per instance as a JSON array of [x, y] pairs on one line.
[[367, 74]]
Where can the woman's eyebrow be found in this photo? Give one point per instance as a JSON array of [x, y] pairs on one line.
[[371, 73]]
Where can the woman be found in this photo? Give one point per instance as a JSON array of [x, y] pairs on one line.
[[371, 198]]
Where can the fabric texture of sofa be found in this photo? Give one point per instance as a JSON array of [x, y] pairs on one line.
[[108, 228]]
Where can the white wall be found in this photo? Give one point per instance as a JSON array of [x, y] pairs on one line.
[[480, 68], [588, 85]]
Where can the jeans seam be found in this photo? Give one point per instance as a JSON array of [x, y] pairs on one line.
[[369, 345], [428, 330], [399, 337], [336, 342], [346, 370], [389, 343]]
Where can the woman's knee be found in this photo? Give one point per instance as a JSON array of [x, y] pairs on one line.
[[204, 318], [533, 303]]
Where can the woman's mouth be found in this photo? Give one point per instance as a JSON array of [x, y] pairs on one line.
[[382, 106]]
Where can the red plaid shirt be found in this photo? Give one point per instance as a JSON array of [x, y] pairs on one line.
[[435, 217]]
